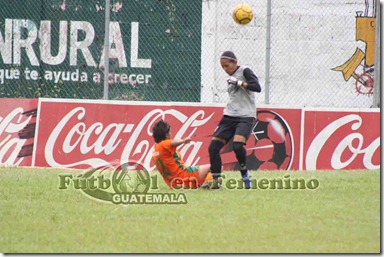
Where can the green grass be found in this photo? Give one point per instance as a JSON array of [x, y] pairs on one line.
[[341, 216]]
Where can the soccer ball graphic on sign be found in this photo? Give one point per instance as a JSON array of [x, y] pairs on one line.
[[130, 178], [242, 14], [273, 145]]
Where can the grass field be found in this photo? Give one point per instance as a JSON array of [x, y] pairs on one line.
[[341, 216]]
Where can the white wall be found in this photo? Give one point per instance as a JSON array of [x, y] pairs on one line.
[[308, 39]]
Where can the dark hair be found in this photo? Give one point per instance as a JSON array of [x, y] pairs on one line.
[[160, 130], [229, 55]]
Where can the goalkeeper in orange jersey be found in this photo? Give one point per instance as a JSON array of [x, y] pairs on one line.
[[170, 164]]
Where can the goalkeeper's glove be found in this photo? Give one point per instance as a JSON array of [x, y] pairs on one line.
[[234, 81]]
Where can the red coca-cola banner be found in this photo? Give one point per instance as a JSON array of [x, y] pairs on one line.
[[17, 130], [341, 140], [90, 133], [80, 134], [94, 133]]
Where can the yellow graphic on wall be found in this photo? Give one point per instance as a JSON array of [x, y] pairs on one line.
[[361, 65]]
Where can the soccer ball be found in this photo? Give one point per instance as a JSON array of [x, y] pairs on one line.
[[242, 14]]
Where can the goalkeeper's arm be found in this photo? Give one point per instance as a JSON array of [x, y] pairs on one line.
[[252, 81]]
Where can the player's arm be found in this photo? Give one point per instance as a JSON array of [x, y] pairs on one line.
[[252, 81], [180, 141]]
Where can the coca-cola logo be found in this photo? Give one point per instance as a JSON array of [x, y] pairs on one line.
[[79, 139], [15, 129], [345, 150]]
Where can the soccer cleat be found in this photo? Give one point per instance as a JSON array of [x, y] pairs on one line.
[[247, 180], [206, 184], [216, 183]]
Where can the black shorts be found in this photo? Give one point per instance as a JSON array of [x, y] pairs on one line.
[[231, 126]]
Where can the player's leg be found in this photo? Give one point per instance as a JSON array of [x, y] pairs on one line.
[[204, 171], [214, 156], [215, 161], [196, 176], [244, 128], [205, 176], [241, 156], [224, 131]]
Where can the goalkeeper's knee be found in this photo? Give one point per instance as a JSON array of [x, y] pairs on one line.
[[241, 154]]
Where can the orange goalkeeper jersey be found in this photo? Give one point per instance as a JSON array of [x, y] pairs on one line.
[[170, 163]]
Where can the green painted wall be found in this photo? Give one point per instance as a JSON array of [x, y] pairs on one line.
[[168, 34]]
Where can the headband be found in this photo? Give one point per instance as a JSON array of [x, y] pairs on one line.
[[229, 58]]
